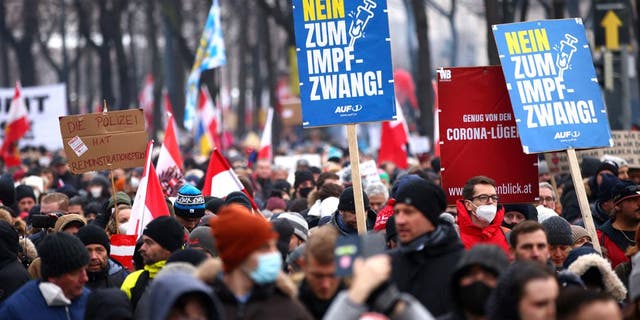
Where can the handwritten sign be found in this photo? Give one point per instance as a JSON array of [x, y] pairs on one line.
[[99, 141]]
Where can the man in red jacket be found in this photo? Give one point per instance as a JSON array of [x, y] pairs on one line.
[[479, 217], [617, 234]]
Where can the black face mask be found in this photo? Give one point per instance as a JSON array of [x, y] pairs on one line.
[[304, 192], [474, 297]]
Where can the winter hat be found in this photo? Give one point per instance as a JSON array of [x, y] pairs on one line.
[[213, 204], [300, 226], [608, 165], [69, 219], [427, 197], [201, 237], [589, 165], [605, 189], [528, 211], [9, 245], [625, 190], [285, 231], [189, 203], [238, 197], [191, 256], [25, 191], [617, 160], [7, 190], [61, 253], [276, 203], [238, 233], [107, 303], [91, 234], [281, 185], [578, 232], [545, 213], [302, 176], [558, 231], [166, 231], [634, 278], [121, 198], [348, 202]]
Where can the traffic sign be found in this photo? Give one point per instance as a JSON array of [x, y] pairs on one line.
[[611, 24]]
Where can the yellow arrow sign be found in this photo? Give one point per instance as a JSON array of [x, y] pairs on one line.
[[611, 23]]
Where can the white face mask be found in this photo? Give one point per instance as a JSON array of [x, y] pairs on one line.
[[96, 192], [134, 182], [44, 162], [486, 212], [122, 228]]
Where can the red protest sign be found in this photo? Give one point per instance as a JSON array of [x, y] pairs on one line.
[[478, 135]]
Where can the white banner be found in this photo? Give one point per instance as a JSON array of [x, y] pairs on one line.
[[44, 104]]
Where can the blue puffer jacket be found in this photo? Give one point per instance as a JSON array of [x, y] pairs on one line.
[[28, 303]]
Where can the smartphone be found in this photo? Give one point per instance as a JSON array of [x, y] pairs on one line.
[[348, 248]]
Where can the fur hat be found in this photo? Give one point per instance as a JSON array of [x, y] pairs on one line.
[[189, 203], [61, 253]]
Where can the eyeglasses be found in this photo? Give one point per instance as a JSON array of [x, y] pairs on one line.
[[485, 198], [546, 199]]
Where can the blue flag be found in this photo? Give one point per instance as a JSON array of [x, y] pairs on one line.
[[210, 55]]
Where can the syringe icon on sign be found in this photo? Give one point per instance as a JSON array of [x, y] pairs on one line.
[[356, 29], [563, 59]]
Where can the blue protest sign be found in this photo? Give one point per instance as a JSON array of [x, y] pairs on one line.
[[344, 61], [552, 85]]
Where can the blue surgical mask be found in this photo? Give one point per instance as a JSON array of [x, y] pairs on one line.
[[269, 266]]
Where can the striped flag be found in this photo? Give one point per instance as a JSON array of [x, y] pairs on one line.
[[220, 179], [208, 129], [210, 55], [145, 98], [266, 149], [169, 167], [16, 127], [122, 249]]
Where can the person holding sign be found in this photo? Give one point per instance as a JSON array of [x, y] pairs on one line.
[[478, 215]]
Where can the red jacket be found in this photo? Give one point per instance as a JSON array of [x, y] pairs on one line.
[[471, 234]]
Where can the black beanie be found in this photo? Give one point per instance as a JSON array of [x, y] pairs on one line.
[[347, 201], [427, 197], [605, 190], [166, 231], [238, 197], [302, 176], [213, 204], [558, 231], [608, 165], [24, 191], [91, 234], [193, 257], [61, 253]]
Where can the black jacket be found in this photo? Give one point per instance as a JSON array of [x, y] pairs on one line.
[[12, 273], [315, 306], [426, 273], [110, 278]]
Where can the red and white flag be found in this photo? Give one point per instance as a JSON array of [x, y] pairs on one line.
[[145, 98], [168, 107], [169, 167], [266, 149], [149, 202], [208, 126], [17, 126], [220, 179], [393, 140], [123, 247]]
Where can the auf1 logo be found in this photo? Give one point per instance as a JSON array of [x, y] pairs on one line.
[[348, 108], [566, 134]]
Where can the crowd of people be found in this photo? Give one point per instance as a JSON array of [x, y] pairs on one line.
[[271, 252]]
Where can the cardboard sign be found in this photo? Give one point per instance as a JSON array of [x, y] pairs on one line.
[[43, 104], [478, 135], [553, 85], [99, 141], [344, 61], [627, 147]]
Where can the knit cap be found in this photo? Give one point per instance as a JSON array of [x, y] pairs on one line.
[[191, 256], [348, 201], [25, 191], [121, 198], [578, 232], [166, 231], [276, 203], [201, 237], [61, 253], [189, 202], [605, 190], [301, 177], [238, 233], [558, 231], [213, 204], [91, 234], [300, 226], [608, 165], [427, 197], [238, 197]]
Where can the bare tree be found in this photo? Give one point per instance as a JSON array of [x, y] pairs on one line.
[[23, 45], [424, 88]]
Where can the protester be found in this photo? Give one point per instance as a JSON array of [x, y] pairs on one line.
[[617, 234], [547, 195], [559, 238], [578, 304], [344, 218], [328, 198], [303, 184], [320, 284], [25, 198], [378, 195], [579, 236], [102, 272], [370, 291], [179, 295], [526, 291], [161, 237], [428, 247], [108, 304], [528, 242], [61, 294], [251, 264], [603, 207], [12, 273], [300, 229], [189, 206], [622, 164], [595, 272], [69, 223], [516, 213], [201, 239], [473, 280], [478, 215]]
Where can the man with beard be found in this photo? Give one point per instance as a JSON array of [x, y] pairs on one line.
[[475, 276], [161, 237], [102, 271], [617, 234]]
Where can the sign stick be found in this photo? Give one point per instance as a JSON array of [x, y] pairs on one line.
[[354, 157], [578, 184], [115, 202]]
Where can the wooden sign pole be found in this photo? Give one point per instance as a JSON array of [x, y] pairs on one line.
[[578, 185], [354, 157]]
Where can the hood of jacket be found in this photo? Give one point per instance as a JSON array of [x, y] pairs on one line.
[[108, 303], [612, 284], [8, 244], [168, 288]]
